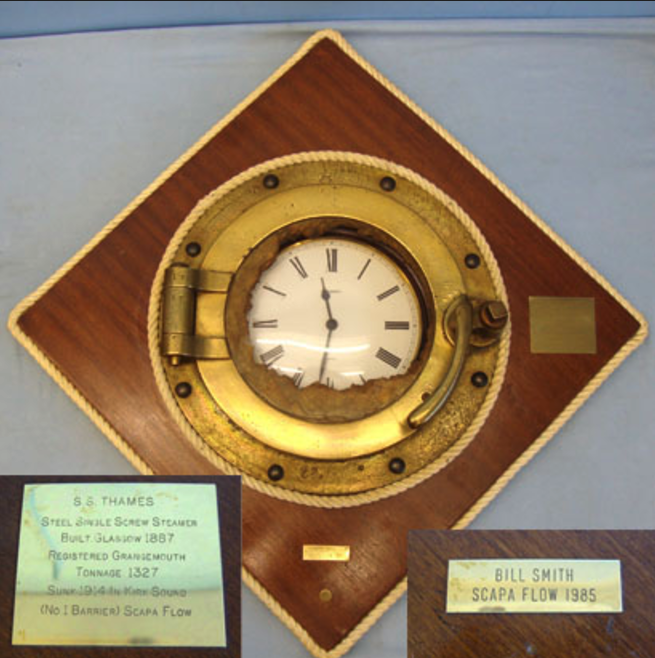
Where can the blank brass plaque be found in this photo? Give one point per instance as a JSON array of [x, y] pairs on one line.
[[562, 325], [120, 564]]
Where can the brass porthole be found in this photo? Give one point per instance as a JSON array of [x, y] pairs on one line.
[[322, 316]]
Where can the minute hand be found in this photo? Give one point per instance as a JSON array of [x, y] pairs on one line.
[[331, 325], [325, 355]]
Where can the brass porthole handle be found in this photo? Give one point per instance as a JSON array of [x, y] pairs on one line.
[[461, 311]]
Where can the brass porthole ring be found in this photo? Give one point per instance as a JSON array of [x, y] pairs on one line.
[[314, 441]]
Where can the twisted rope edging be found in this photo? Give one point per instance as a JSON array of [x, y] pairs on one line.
[[305, 638], [126, 449], [75, 394], [314, 500], [553, 428]]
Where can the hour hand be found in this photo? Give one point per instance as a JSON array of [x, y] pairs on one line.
[[325, 295]]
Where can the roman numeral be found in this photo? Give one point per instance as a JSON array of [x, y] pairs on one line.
[[273, 355], [295, 261], [388, 358], [392, 325], [331, 259], [265, 324], [388, 293], [366, 264], [298, 377], [277, 292], [329, 382], [362, 379]]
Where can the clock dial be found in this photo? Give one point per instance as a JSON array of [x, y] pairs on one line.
[[336, 312]]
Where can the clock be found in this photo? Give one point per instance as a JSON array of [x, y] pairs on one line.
[[337, 312], [330, 324]]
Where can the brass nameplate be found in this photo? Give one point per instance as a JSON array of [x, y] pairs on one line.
[[119, 564], [562, 325], [319, 553], [511, 586]]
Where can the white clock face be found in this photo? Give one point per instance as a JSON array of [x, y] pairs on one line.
[[334, 311]]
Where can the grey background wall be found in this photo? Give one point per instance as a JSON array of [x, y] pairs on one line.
[[32, 18]]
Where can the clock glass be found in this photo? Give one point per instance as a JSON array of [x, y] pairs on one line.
[[336, 312]]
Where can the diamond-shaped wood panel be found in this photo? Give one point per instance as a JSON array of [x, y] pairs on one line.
[[89, 328]]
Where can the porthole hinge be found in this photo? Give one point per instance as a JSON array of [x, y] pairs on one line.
[[182, 285]]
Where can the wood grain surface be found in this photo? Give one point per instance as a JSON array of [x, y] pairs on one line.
[[432, 632], [92, 326], [228, 492]]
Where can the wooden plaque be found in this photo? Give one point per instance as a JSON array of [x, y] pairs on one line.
[[228, 490], [88, 328], [434, 632]]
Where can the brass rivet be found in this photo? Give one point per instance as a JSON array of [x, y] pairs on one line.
[[193, 249], [479, 379], [183, 389], [388, 184], [472, 261], [271, 181], [275, 473], [325, 595], [397, 465]]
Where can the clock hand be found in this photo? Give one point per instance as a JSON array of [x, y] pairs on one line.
[[330, 325], [325, 295], [325, 354]]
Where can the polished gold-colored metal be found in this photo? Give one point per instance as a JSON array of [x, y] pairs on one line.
[[330, 442], [322, 553], [123, 564], [562, 325], [534, 586]]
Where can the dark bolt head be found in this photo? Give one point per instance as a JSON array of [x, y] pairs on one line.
[[388, 184], [493, 315], [275, 473], [397, 465], [472, 261], [183, 389], [193, 249], [479, 379], [271, 181]]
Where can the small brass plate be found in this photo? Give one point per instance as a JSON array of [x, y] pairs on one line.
[[562, 325], [119, 564], [519, 586], [318, 553]]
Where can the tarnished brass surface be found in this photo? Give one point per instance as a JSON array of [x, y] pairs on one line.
[[461, 309], [326, 441], [563, 325], [318, 403], [320, 553], [522, 586], [179, 335]]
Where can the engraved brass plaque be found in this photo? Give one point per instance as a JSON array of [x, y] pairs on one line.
[[562, 325], [520, 586], [119, 564], [317, 553]]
